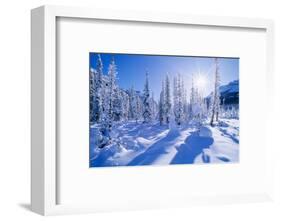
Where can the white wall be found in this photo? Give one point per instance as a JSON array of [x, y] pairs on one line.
[[15, 106]]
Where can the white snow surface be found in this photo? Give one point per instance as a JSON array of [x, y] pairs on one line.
[[135, 144]]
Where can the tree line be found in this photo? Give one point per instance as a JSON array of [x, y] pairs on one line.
[[109, 103]]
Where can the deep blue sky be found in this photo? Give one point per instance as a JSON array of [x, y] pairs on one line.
[[131, 70]]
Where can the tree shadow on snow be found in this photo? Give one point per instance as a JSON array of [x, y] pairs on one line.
[[192, 147], [141, 130], [225, 133], [156, 150]]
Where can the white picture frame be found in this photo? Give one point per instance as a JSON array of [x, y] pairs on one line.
[[44, 173]]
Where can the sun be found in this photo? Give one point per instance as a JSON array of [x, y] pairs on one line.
[[200, 81]]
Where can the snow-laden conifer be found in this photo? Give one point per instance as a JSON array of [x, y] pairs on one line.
[[146, 101], [216, 96], [167, 100]]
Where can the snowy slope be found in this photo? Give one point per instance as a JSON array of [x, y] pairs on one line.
[[141, 144], [225, 147]]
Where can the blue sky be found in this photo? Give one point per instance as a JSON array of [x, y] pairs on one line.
[[132, 67]]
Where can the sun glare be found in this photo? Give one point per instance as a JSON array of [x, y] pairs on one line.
[[200, 82]]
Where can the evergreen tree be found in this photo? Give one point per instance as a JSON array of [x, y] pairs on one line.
[[153, 106], [185, 105], [92, 94], [146, 101], [113, 102], [97, 109], [118, 102], [161, 106], [139, 109], [216, 95], [180, 95], [125, 105], [167, 100], [205, 108], [178, 100], [196, 106], [132, 103], [192, 100]]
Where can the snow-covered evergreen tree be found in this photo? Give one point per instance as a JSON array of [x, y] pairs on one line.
[[230, 111], [216, 95], [132, 103], [167, 100], [153, 106], [146, 101], [125, 102], [161, 107], [113, 97], [139, 109], [197, 106], [92, 90], [192, 100], [97, 102], [178, 100], [185, 104], [205, 108], [118, 102]]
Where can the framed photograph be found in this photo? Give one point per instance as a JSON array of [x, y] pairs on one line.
[[185, 112], [141, 110]]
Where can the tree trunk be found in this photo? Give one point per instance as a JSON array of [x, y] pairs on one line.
[[217, 116], [212, 118]]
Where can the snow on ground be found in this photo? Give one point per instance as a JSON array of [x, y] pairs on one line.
[[225, 146], [151, 144]]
